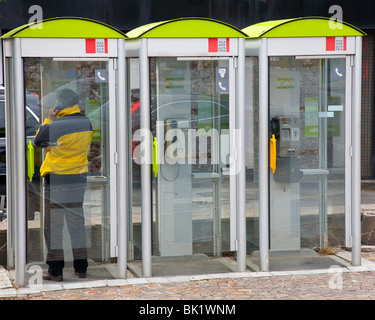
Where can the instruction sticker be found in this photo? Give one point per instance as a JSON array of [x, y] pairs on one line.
[[222, 80], [101, 75]]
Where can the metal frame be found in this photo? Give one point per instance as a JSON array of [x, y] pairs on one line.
[[348, 151], [241, 179], [64, 49], [263, 156], [1, 65], [233, 122], [314, 48], [19, 185], [188, 49], [9, 160], [356, 155], [122, 172], [146, 188], [113, 157]]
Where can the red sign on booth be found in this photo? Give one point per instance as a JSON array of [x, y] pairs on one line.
[[218, 45], [336, 44], [97, 46]]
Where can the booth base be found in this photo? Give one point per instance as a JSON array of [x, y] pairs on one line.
[[304, 259], [95, 271]]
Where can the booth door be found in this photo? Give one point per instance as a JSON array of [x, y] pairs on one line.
[[308, 113], [92, 81], [192, 114]]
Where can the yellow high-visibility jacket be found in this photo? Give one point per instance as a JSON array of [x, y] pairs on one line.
[[69, 138]]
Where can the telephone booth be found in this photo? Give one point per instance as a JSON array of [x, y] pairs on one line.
[[188, 198], [41, 60], [308, 107]]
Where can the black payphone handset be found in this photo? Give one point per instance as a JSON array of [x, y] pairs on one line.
[[285, 148], [275, 127], [176, 146]]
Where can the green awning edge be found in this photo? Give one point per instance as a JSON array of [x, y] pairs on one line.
[[65, 27], [301, 27], [190, 27]]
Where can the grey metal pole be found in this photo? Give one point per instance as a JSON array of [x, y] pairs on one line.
[[10, 134], [356, 161], [263, 156], [19, 204], [122, 168], [241, 177], [145, 159]]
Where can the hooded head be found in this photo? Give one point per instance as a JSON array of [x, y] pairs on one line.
[[66, 98]]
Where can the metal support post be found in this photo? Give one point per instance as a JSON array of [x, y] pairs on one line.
[[122, 147], [146, 187], [356, 162], [241, 176], [19, 205], [263, 157]]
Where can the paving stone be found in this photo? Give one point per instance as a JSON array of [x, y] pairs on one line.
[[343, 283]]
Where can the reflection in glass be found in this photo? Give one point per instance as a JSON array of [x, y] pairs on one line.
[[190, 120], [69, 211], [308, 189], [251, 154]]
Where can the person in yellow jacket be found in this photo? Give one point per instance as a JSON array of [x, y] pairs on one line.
[[66, 136]]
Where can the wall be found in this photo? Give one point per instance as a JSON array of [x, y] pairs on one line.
[[367, 125]]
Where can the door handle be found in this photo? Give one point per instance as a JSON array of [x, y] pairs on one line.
[[273, 153], [155, 157], [30, 161]]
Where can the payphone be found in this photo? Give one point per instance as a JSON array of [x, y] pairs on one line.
[[286, 131], [285, 182], [176, 139]]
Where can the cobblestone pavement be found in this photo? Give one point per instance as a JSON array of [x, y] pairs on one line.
[[348, 283], [348, 286]]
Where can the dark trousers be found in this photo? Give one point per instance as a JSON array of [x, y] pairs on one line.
[[64, 199]]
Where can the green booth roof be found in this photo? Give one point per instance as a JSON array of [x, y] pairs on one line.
[[65, 27], [187, 28], [301, 27]]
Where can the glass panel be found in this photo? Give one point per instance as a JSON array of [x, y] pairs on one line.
[[10, 250], [252, 165], [3, 212], [307, 103], [2, 150], [190, 119], [68, 193], [135, 235]]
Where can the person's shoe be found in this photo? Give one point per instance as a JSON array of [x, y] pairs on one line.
[[80, 274], [51, 277]]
